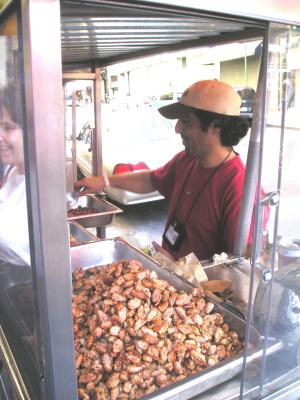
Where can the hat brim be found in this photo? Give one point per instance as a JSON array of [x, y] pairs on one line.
[[175, 110]]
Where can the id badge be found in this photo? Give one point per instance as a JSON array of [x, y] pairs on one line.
[[175, 234]]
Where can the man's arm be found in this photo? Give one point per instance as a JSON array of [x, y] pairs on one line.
[[137, 182]]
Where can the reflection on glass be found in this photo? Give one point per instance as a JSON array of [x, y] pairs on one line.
[[14, 243], [16, 289], [276, 298]]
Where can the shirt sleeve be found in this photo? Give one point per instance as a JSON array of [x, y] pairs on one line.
[[163, 178]]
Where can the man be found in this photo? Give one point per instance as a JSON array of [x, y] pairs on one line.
[[203, 184]]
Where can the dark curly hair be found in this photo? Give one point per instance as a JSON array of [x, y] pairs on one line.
[[232, 128]]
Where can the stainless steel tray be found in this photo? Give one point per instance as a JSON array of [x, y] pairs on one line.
[[107, 251], [104, 214], [81, 235]]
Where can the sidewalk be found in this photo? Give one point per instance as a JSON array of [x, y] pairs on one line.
[[292, 118]]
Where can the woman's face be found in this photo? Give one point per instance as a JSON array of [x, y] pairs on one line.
[[11, 140]]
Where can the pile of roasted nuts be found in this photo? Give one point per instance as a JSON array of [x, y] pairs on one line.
[[135, 333], [80, 210]]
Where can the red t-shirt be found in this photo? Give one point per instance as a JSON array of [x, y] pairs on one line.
[[205, 200]]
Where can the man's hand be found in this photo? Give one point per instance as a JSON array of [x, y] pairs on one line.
[[91, 184]]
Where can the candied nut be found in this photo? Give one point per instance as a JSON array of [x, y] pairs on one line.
[[182, 299], [181, 312], [78, 274], [156, 296], [133, 369], [106, 362], [137, 379], [190, 344], [172, 357], [106, 325], [152, 314], [148, 283], [197, 319], [127, 387], [97, 332], [86, 377], [149, 338], [160, 326], [212, 360], [185, 329], [189, 363], [178, 368], [77, 312], [163, 355], [153, 352], [134, 357], [141, 345], [161, 380], [209, 307], [101, 316], [100, 392], [163, 306], [218, 334], [168, 312], [82, 394], [89, 342], [115, 330], [101, 347], [139, 294], [114, 393], [133, 304], [139, 323], [113, 380], [118, 297], [117, 346], [198, 358]]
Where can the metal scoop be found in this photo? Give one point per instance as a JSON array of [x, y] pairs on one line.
[[72, 198]]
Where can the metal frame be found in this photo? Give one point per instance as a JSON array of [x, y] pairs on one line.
[[269, 10], [48, 233], [43, 131]]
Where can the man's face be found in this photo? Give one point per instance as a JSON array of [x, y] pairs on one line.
[[195, 140]]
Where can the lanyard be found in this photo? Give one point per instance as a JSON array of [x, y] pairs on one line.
[[201, 189]]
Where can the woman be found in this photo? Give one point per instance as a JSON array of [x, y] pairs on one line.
[[14, 240]]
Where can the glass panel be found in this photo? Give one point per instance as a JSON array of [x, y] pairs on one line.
[[276, 302], [79, 128], [16, 288]]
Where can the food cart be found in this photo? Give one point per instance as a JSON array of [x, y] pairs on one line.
[[45, 43]]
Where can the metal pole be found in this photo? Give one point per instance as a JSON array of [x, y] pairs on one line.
[[250, 183], [250, 188], [46, 196]]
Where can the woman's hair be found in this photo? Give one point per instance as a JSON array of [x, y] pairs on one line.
[[10, 99], [232, 128]]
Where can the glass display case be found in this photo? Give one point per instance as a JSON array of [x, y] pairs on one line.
[[42, 41]]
